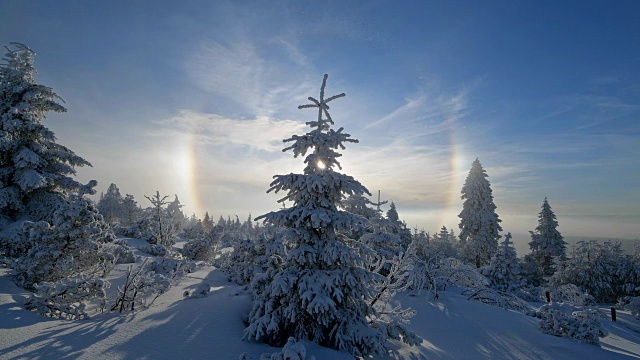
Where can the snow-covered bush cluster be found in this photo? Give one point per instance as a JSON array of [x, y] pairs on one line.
[[561, 319], [500, 299], [71, 245], [155, 250], [292, 350], [203, 245], [142, 286], [122, 252], [66, 298], [571, 294], [632, 304]]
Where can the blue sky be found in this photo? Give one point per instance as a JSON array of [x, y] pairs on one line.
[[193, 98]]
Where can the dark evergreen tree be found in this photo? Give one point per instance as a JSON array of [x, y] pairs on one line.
[[546, 241], [110, 204]]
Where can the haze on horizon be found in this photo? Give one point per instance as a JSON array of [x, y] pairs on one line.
[[195, 98]]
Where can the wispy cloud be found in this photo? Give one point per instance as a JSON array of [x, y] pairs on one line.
[[264, 78], [261, 133]]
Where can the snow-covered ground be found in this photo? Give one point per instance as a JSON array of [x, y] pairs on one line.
[[211, 327]]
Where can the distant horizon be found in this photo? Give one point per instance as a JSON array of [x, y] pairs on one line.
[[195, 98]]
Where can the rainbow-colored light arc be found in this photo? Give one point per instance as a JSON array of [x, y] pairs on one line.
[[457, 164], [187, 166]]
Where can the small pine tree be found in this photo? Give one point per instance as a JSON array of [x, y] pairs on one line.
[[161, 226], [110, 204], [392, 213], [546, 241], [504, 269], [174, 211], [320, 289], [131, 212], [479, 223], [207, 223]]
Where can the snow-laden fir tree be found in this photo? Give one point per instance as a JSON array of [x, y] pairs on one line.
[[504, 269], [131, 212], [546, 241], [174, 211], [321, 291], [110, 204], [207, 222], [35, 171], [479, 223]]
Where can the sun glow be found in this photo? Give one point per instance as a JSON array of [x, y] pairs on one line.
[[321, 165]]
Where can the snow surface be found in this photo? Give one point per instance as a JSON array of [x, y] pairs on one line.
[[211, 327]]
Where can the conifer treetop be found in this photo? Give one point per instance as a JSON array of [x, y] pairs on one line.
[[323, 140], [322, 104]]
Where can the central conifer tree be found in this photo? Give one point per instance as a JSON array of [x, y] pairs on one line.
[[320, 289], [479, 223]]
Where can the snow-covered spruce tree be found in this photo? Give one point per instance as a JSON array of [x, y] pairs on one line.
[[479, 223], [546, 241], [322, 289], [207, 222], [34, 170], [110, 204], [174, 211], [504, 269]]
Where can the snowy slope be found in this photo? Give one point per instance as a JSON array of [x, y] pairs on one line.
[[211, 327]]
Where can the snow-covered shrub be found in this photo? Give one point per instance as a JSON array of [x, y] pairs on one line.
[[252, 255], [201, 291], [631, 303], [389, 315], [560, 319], [531, 294], [173, 268], [72, 244], [437, 274], [122, 252], [141, 288], [500, 299], [13, 240], [67, 297], [202, 248], [132, 231], [292, 350], [196, 231], [155, 250], [571, 294]]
